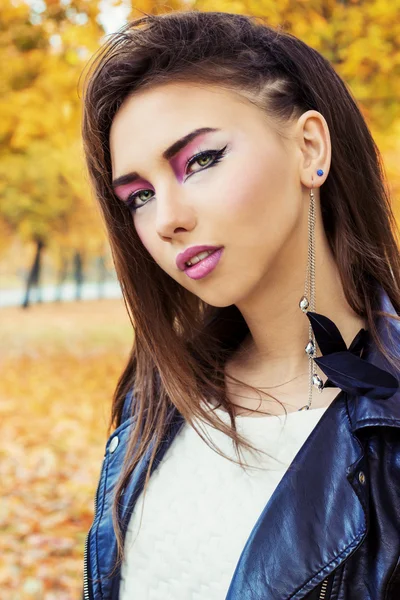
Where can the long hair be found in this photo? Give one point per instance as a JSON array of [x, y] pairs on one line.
[[181, 344]]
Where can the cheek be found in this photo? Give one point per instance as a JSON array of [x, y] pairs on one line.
[[252, 191], [144, 238], [144, 227]]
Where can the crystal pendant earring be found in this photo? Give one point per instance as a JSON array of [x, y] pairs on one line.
[[307, 302]]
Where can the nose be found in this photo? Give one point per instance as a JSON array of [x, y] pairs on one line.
[[174, 212]]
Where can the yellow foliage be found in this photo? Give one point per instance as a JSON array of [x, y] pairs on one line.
[[47, 193]]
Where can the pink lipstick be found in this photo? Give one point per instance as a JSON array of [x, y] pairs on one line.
[[204, 266]]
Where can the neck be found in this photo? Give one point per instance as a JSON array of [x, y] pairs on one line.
[[274, 350]]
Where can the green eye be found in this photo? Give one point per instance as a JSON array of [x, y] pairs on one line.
[[203, 160], [143, 195], [144, 192]]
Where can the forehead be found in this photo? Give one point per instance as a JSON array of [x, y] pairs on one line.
[[156, 117], [174, 101]]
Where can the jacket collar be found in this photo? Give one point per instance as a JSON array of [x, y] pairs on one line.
[[366, 411]]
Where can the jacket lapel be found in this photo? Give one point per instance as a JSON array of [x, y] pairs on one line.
[[132, 492], [313, 520], [136, 481], [365, 411]]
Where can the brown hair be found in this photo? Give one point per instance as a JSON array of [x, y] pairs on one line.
[[181, 344]]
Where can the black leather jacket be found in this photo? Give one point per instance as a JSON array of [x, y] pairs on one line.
[[331, 529]]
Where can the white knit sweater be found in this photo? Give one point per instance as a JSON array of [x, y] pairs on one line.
[[200, 508]]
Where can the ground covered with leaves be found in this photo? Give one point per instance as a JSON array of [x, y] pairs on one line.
[[59, 367]]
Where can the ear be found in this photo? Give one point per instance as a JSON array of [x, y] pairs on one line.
[[312, 135]]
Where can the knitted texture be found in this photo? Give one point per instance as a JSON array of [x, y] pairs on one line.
[[200, 508]]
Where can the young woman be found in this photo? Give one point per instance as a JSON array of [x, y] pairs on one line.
[[256, 443]]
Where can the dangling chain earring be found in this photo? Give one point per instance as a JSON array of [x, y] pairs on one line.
[[307, 302]]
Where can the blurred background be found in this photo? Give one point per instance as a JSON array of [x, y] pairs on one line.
[[64, 331]]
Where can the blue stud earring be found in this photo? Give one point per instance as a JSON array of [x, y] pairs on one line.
[[320, 172]]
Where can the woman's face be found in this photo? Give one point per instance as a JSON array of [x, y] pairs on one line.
[[243, 193]]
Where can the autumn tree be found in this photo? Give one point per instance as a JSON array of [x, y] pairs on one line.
[[45, 196]]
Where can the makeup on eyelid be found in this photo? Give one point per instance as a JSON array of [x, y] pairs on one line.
[[179, 161], [123, 191]]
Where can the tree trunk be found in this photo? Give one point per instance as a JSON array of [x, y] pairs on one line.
[[33, 279], [61, 277], [78, 274], [102, 275]]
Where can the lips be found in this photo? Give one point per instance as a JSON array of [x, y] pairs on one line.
[[189, 253], [205, 266]]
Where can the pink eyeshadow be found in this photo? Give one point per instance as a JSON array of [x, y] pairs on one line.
[[123, 191], [179, 161]]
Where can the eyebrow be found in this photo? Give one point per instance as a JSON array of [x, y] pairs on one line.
[[169, 153]]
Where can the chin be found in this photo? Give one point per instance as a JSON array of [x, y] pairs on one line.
[[218, 299]]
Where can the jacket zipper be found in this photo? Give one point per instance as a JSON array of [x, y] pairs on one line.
[[86, 595], [323, 590], [85, 574]]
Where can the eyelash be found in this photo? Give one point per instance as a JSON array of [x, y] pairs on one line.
[[217, 156]]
